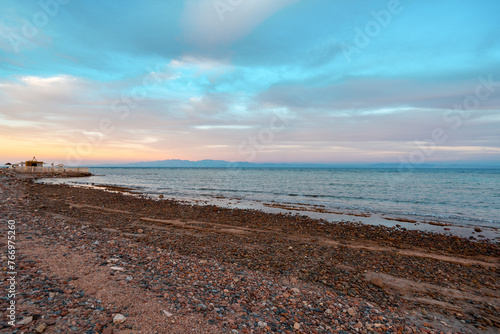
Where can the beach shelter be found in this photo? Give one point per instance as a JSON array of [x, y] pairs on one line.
[[34, 163]]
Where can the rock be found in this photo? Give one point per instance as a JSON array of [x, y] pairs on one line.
[[108, 330], [262, 324], [40, 328], [444, 323], [117, 268], [377, 282], [119, 319], [328, 311], [161, 196], [488, 321], [50, 322], [201, 307], [296, 326], [477, 229], [25, 321], [52, 294], [351, 312], [296, 290], [168, 314], [140, 230]]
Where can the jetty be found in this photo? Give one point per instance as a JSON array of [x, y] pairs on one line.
[[41, 169]]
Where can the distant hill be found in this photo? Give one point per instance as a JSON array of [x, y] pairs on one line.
[[176, 163], [214, 164]]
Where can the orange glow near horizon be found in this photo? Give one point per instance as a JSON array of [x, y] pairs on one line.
[[22, 149]]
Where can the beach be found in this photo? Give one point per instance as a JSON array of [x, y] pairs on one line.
[[452, 201], [106, 261]]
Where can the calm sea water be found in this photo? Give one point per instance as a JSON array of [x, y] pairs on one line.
[[459, 196]]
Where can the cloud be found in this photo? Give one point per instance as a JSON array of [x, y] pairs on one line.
[[210, 23], [210, 73], [54, 92], [373, 93]]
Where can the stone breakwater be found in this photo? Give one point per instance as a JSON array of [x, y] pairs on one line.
[[94, 261], [58, 174]]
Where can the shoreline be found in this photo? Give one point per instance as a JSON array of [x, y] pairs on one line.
[[349, 277], [425, 223]]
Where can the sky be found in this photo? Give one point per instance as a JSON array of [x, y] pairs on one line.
[[320, 81]]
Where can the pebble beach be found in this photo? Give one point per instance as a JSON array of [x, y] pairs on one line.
[[106, 261]]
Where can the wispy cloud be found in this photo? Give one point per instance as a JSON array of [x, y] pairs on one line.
[[211, 23]]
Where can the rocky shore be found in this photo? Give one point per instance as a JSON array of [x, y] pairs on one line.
[[97, 261]]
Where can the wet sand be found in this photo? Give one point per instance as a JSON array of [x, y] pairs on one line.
[[208, 269]]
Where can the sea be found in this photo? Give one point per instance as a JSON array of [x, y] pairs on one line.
[[463, 202]]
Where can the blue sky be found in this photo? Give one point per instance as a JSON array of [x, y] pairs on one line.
[[240, 80]]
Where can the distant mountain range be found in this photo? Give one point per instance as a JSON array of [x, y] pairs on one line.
[[176, 163], [213, 164]]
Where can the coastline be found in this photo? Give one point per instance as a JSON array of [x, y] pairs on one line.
[[410, 222], [225, 270], [451, 215]]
